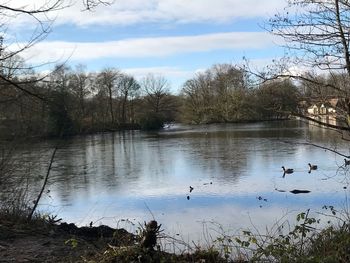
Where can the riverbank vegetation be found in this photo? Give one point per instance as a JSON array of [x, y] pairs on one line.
[[72, 101]]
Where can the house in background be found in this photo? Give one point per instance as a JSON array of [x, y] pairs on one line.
[[326, 108], [313, 110]]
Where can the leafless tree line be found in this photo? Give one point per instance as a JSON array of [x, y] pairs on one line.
[[75, 101], [224, 93]]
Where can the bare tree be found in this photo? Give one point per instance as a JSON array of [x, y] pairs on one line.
[[40, 15], [316, 35], [156, 89], [198, 98], [128, 86], [107, 84], [216, 95], [81, 88], [158, 105], [276, 99]]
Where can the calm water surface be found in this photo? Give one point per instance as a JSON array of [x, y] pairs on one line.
[[234, 169]]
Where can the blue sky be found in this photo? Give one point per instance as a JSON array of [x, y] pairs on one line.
[[173, 38]]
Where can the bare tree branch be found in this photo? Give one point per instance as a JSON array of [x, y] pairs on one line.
[[91, 4], [44, 185], [319, 146]]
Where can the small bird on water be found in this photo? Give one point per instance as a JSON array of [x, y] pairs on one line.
[[312, 167], [288, 170]]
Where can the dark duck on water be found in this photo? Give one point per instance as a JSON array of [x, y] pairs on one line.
[[287, 170]]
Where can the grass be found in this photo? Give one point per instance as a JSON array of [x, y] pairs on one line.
[[306, 241]]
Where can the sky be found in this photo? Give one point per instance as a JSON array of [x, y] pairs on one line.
[[173, 38]]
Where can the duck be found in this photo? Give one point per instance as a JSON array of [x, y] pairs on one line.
[[287, 171], [191, 189], [312, 166], [347, 162]]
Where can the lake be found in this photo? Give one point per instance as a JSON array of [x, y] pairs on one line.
[[123, 178]]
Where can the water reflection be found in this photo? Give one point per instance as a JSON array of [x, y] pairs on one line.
[[113, 176]]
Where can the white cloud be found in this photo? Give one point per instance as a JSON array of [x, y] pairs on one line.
[[147, 47], [220, 10], [181, 11], [168, 72], [174, 11]]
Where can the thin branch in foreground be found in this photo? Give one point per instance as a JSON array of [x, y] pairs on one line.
[[318, 146], [22, 89], [43, 187], [92, 4], [336, 127]]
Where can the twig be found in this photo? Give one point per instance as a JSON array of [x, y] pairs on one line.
[[303, 232], [43, 187], [149, 210], [336, 127], [318, 146]]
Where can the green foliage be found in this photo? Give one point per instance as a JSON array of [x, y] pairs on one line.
[[72, 241], [304, 243]]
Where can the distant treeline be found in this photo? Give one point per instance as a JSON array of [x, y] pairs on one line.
[[224, 93], [72, 101]]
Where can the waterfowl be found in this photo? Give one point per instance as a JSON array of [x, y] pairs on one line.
[[280, 190], [191, 189], [287, 171], [347, 162], [312, 166]]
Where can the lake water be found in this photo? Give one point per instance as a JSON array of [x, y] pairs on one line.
[[235, 170]]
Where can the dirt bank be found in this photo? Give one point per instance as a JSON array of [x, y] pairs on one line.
[[42, 242]]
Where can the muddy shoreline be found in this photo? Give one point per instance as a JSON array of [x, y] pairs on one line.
[[41, 242]]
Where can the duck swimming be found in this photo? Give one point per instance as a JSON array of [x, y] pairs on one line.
[[347, 162], [312, 166], [288, 170]]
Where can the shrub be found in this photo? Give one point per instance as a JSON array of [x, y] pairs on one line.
[[151, 121]]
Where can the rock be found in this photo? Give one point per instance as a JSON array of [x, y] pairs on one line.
[[296, 191]]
